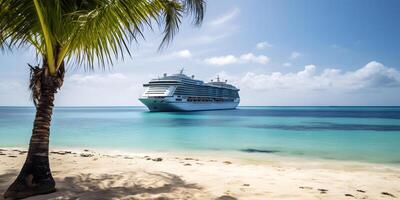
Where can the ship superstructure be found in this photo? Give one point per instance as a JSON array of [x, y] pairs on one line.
[[179, 92]]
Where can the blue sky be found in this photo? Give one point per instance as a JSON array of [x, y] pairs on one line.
[[284, 52]]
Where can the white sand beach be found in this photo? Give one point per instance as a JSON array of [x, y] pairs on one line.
[[88, 174]]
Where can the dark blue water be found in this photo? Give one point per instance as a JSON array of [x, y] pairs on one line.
[[370, 134]]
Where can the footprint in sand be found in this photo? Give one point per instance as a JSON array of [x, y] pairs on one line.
[[349, 195], [226, 197], [323, 191], [388, 194]]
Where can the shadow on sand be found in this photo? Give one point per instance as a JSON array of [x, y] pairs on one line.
[[131, 185]]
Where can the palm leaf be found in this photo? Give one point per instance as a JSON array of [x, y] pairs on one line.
[[89, 33], [44, 24]]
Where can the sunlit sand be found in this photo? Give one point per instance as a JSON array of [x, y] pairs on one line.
[[88, 174]]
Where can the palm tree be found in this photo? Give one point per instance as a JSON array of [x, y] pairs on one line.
[[87, 33]]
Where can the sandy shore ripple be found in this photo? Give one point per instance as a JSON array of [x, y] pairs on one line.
[[88, 174]]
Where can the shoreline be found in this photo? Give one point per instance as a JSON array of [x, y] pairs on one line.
[[244, 157], [88, 173]]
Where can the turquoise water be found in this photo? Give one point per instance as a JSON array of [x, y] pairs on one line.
[[370, 134]]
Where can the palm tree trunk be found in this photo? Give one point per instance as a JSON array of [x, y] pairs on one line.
[[35, 176]]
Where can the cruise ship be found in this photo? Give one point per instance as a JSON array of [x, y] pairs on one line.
[[179, 92]]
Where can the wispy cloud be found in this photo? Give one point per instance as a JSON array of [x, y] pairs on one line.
[[78, 79], [295, 55], [263, 45], [231, 59], [205, 39], [215, 31], [225, 18], [338, 47], [182, 54], [287, 64]]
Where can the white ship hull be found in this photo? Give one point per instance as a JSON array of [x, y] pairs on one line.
[[179, 92], [159, 105]]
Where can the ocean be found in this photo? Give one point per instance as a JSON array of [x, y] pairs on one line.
[[365, 134]]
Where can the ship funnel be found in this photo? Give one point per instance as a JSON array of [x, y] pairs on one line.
[[192, 76], [165, 74]]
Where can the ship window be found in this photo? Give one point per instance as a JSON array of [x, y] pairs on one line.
[[178, 99]]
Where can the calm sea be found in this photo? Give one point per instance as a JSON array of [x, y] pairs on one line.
[[370, 134]]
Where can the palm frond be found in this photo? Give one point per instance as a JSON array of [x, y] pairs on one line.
[[47, 34], [103, 33], [18, 23], [172, 13], [93, 33], [196, 8]]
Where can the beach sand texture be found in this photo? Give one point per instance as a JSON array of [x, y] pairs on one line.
[[87, 174]]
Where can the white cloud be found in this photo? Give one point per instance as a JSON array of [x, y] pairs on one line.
[[222, 60], [183, 54], [81, 79], [375, 74], [168, 56], [295, 55], [372, 84], [372, 75], [287, 64], [249, 57], [231, 59], [225, 18], [263, 45]]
